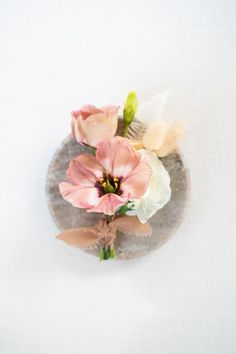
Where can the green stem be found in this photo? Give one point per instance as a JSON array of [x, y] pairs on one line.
[[113, 254], [101, 254], [107, 253], [126, 129]]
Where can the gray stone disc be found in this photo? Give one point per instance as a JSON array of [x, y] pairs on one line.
[[164, 223]]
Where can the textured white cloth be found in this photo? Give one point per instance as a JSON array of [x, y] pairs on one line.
[[56, 56]]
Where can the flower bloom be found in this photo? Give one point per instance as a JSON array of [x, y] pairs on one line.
[[91, 125], [104, 182], [158, 193]]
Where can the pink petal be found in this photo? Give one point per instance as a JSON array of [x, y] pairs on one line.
[[108, 204], [137, 181], [110, 110], [85, 111], [84, 170], [78, 131], [99, 127], [91, 109], [79, 197], [117, 156], [75, 114], [91, 128], [125, 160]]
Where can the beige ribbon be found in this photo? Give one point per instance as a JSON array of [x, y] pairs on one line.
[[104, 232]]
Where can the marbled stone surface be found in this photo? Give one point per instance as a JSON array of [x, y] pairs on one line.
[[164, 222]]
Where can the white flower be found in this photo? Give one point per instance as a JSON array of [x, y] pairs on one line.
[[158, 193]]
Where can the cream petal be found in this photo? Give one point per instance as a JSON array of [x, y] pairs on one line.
[[173, 135], [150, 111], [158, 193], [155, 136]]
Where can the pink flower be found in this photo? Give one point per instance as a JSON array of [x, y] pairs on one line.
[[91, 125], [104, 182]]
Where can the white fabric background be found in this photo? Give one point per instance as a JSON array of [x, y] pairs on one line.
[[56, 56]]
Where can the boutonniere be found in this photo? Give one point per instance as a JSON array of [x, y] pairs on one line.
[[119, 175]]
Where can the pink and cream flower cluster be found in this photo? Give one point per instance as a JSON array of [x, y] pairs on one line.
[[121, 172], [120, 177]]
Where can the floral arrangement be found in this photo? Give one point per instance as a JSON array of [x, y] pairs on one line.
[[121, 176]]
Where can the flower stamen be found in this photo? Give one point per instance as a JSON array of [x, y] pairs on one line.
[[109, 184]]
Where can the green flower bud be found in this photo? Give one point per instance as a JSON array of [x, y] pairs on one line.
[[131, 105]]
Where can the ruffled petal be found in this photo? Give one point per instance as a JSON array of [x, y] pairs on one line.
[[158, 193], [126, 159], [84, 170], [137, 181], [108, 204], [79, 197], [117, 156]]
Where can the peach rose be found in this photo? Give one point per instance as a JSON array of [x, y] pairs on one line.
[[90, 124]]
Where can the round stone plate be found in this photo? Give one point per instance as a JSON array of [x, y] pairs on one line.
[[164, 223]]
